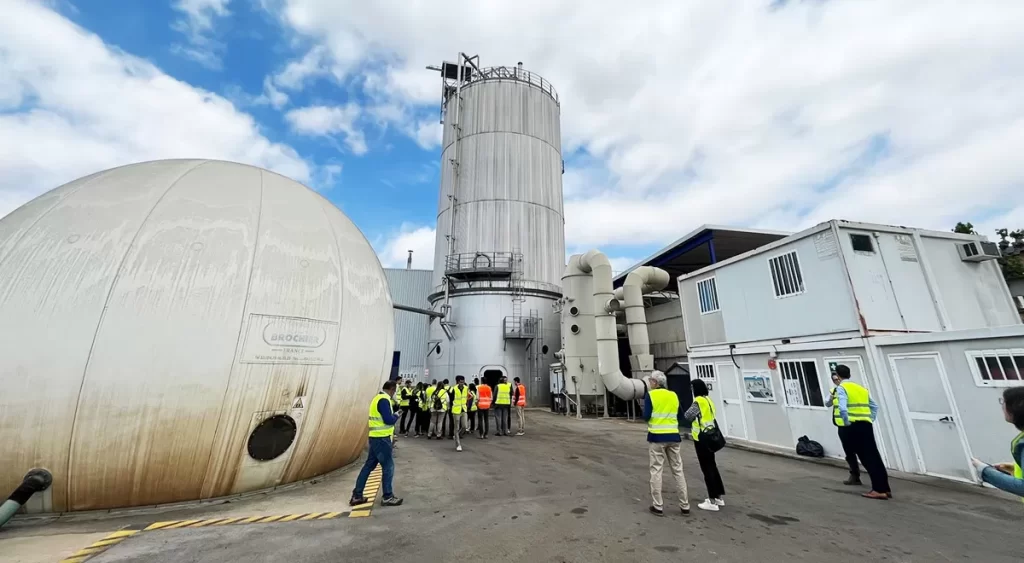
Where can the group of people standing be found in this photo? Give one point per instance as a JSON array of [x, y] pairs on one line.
[[440, 410], [853, 413]]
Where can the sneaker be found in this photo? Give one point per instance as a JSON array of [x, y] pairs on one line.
[[656, 511], [405, 434], [355, 501], [391, 501], [520, 433], [718, 501], [708, 505], [685, 509], [458, 449], [875, 495]]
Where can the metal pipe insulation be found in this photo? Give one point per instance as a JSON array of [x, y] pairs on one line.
[[35, 481], [596, 264]]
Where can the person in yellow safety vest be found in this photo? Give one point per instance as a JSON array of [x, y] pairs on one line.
[[502, 406], [519, 400], [661, 411], [381, 429], [448, 422], [844, 437], [1009, 476], [856, 411], [405, 404], [460, 394], [702, 415], [472, 401], [428, 407], [439, 404], [420, 409]]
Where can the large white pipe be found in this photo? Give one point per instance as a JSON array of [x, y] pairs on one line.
[[596, 264], [644, 279]]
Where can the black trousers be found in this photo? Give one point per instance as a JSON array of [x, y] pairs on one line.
[[472, 421], [862, 437], [407, 417], [709, 467], [423, 422], [848, 451], [485, 422]]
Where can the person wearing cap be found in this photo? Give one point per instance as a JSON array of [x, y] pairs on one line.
[[381, 430]]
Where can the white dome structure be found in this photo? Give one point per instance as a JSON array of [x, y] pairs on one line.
[[184, 329]]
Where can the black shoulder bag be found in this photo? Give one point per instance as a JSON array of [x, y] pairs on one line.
[[710, 436]]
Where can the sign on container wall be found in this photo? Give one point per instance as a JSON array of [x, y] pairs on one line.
[[758, 386]]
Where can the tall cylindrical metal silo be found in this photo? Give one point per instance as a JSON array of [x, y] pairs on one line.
[[498, 277]]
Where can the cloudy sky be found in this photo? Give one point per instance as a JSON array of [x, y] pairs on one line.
[[769, 113]]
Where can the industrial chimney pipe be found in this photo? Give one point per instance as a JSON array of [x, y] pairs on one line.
[[35, 481], [605, 305]]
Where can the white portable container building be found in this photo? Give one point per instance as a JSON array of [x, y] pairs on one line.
[[923, 319]]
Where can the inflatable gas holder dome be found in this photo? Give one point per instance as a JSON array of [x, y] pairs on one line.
[[181, 330]]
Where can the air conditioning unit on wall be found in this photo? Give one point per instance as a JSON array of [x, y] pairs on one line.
[[978, 251]]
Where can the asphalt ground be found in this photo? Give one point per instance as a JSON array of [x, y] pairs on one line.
[[577, 491]]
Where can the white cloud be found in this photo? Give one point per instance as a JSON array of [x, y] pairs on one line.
[[330, 120], [736, 113], [197, 24], [74, 106], [420, 239]]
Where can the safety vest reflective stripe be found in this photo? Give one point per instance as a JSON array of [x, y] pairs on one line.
[[706, 419], [460, 400], [504, 394], [1018, 472], [664, 412], [521, 402], [406, 392], [377, 427], [484, 397], [858, 406], [473, 399]]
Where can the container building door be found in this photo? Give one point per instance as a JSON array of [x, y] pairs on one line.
[[930, 409], [733, 420]]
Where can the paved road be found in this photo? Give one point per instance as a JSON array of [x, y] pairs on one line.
[[577, 491]]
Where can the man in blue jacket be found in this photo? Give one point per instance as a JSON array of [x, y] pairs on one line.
[[382, 429]]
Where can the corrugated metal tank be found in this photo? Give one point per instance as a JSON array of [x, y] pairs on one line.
[[509, 201], [410, 287], [165, 324]]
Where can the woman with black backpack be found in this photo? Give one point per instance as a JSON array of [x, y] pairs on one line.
[[702, 415]]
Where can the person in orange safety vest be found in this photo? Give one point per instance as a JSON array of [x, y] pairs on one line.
[[484, 396], [520, 401]]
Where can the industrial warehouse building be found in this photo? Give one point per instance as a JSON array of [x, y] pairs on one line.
[[923, 319], [410, 287]]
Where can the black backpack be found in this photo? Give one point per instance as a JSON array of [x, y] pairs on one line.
[[437, 399]]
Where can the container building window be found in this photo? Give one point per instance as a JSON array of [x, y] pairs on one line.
[[997, 368], [801, 383], [705, 372], [707, 292], [787, 279], [861, 243]]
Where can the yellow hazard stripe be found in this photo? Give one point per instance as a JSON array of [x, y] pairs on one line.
[[359, 514], [330, 515]]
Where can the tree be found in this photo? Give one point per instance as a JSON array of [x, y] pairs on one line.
[[1012, 261]]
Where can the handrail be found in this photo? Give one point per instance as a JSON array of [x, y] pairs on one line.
[[515, 73]]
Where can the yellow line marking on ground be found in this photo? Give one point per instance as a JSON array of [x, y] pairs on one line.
[[103, 543], [202, 523], [75, 559], [181, 524], [250, 519], [330, 515], [359, 514], [363, 506], [230, 520], [160, 525], [312, 515], [270, 519], [291, 517], [122, 534]]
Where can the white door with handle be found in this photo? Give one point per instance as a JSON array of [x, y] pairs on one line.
[[939, 441], [732, 419]]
